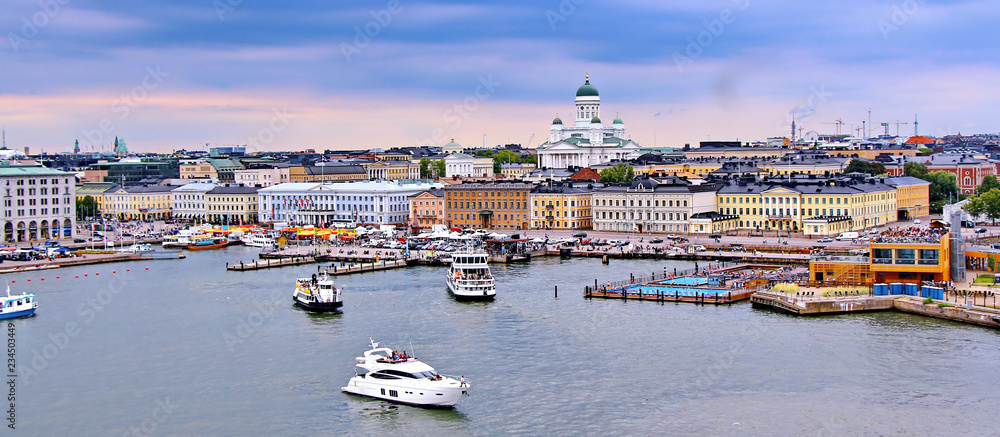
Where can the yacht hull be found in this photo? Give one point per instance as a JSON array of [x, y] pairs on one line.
[[466, 296], [318, 307], [410, 395]]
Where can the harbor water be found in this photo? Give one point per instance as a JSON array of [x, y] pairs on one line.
[[189, 348]]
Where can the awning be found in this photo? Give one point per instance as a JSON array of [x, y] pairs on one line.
[[485, 212]]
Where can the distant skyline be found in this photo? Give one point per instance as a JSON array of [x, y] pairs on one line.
[[311, 74]]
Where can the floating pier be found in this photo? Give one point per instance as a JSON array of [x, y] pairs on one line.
[[695, 286], [349, 268], [270, 263], [800, 305]]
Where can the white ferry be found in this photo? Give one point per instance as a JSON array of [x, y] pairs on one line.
[[257, 239], [20, 305], [382, 373], [317, 294], [469, 276]]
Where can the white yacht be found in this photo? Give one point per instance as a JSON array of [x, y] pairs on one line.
[[317, 294], [257, 239], [469, 276], [136, 248], [403, 379]]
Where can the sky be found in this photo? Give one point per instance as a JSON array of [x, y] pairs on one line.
[[356, 75]]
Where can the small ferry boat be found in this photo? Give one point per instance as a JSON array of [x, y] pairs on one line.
[[257, 239], [469, 276], [207, 243], [384, 374], [20, 305], [317, 294]]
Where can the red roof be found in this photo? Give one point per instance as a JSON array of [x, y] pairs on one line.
[[920, 140]]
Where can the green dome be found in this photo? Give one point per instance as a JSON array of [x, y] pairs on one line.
[[587, 89], [596, 119], [618, 120], [557, 120]]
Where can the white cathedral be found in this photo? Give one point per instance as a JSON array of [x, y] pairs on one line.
[[587, 142]]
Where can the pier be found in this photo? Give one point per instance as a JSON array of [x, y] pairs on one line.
[[806, 305], [346, 268], [269, 263], [704, 286]]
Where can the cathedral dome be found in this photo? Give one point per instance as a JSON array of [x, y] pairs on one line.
[[557, 121], [618, 120], [587, 89], [596, 119]]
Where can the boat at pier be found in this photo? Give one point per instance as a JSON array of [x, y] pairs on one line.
[[384, 374], [18, 305], [207, 243], [469, 276], [257, 239], [317, 294], [136, 248]]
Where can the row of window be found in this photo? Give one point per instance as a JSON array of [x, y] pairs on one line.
[[656, 202], [459, 193], [34, 212], [39, 181], [470, 204], [805, 201], [794, 212], [583, 202], [633, 215]]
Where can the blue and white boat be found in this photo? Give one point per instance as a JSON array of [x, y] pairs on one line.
[[20, 305]]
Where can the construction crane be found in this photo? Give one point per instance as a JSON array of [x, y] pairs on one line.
[[837, 122], [529, 141], [897, 123]]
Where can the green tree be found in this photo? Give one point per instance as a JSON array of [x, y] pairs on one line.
[[975, 207], [86, 207], [873, 168], [507, 157], [991, 200], [915, 169], [437, 168], [530, 159], [486, 153], [425, 168], [619, 173], [943, 184], [989, 182], [991, 263]]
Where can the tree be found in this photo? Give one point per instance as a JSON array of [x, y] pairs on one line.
[[507, 157], [989, 182], [975, 207], [943, 184], [991, 200], [873, 168], [86, 207], [915, 169], [530, 159], [437, 168], [619, 173], [425, 168], [991, 263], [486, 153]]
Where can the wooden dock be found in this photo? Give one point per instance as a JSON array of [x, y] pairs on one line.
[[270, 263], [346, 268]]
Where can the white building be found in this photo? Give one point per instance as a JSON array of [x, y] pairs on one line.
[[587, 142], [461, 165], [39, 203], [648, 205], [188, 201], [309, 203], [262, 176]]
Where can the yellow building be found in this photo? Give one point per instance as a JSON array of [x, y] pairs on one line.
[[327, 173], [392, 170], [908, 255], [912, 196], [198, 170], [139, 202], [96, 191], [561, 206], [231, 205]]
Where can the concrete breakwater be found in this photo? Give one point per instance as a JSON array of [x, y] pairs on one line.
[[806, 306]]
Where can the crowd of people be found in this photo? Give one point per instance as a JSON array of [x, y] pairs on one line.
[[898, 234]]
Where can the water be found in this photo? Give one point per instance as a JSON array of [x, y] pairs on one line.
[[187, 348]]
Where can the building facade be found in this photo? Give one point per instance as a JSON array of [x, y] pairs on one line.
[[427, 209], [361, 203], [561, 206], [231, 204], [262, 177], [648, 205], [139, 202], [39, 203], [188, 201], [488, 205]]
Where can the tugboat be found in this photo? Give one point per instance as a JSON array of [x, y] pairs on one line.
[[20, 305], [384, 374], [469, 277], [317, 294]]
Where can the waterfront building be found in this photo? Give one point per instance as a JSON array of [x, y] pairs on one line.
[[188, 201], [39, 203], [327, 173], [319, 204], [651, 205], [427, 209], [138, 202], [96, 191], [231, 204], [587, 142], [910, 255], [561, 205], [497, 205]]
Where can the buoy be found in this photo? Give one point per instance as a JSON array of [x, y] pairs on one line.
[[128, 270], [57, 277], [96, 274], [78, 276], [84, 274], [147, 268], [114, 271], [29, 280]]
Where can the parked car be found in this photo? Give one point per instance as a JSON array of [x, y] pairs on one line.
[[825, 240], [715, 236], [681, 239], [671, 236], [698, 248], [916, 222], [79, 240], [580, 234], [656, 241], [981, 231]]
